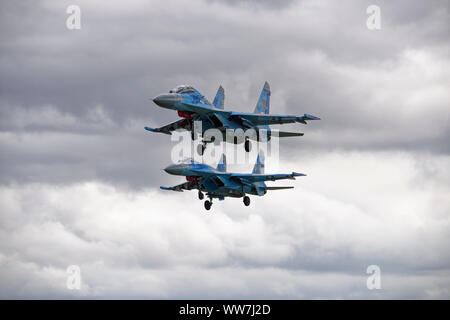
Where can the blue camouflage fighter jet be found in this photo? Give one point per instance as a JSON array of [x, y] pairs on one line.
[[218, 183], [192, 106]]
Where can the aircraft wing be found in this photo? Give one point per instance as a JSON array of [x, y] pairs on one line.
[[179, 187], [167, 129], [251, 119], [265, 177], [249, 177], [268, 119]]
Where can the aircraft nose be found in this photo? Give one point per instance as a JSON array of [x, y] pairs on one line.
[[172, 169], [166, 100]]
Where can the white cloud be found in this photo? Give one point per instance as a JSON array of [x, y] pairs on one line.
[[72, 109], [315, 241]]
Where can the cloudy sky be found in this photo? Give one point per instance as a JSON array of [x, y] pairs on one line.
[[79, 177]]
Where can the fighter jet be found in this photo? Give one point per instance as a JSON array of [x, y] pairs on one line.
[[192, 106], [218, 183]]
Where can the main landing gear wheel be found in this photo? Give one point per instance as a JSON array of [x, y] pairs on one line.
[[247, 146], [200, 195], [208, 204], [247, 201]]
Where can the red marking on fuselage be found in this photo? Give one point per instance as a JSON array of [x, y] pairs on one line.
[[193, 181], [184, 114]]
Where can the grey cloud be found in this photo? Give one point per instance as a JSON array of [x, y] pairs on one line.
[[73, 105], [334, 230], [319, 58]]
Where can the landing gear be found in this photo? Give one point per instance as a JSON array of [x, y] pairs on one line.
[[246, 201], [200, 195], [208, 204], [247, 145]]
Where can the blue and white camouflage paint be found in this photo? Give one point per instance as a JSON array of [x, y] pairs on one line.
[[218, 183], [192, 106]]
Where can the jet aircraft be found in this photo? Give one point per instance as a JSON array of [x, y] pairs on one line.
[[192, 106], [218, 183]]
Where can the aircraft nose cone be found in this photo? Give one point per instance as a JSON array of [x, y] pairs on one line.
[[166, 100], [159, 99], [172, 169]]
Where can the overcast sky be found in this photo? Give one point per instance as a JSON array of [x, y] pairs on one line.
[[80, 177]]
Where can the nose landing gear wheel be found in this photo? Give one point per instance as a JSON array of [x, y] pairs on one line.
[[208, 204], [200, 195], [246, 201]]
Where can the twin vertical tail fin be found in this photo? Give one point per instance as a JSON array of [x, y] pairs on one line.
[[259, 165], [263, 104], [257, 169], [219, 99], [222, 166]]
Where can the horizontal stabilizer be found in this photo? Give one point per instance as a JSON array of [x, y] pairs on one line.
[[283, 134], [278, 188]]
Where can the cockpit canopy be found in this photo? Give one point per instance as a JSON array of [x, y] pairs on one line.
[[182, 89], [190, 91], [187, 160]]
